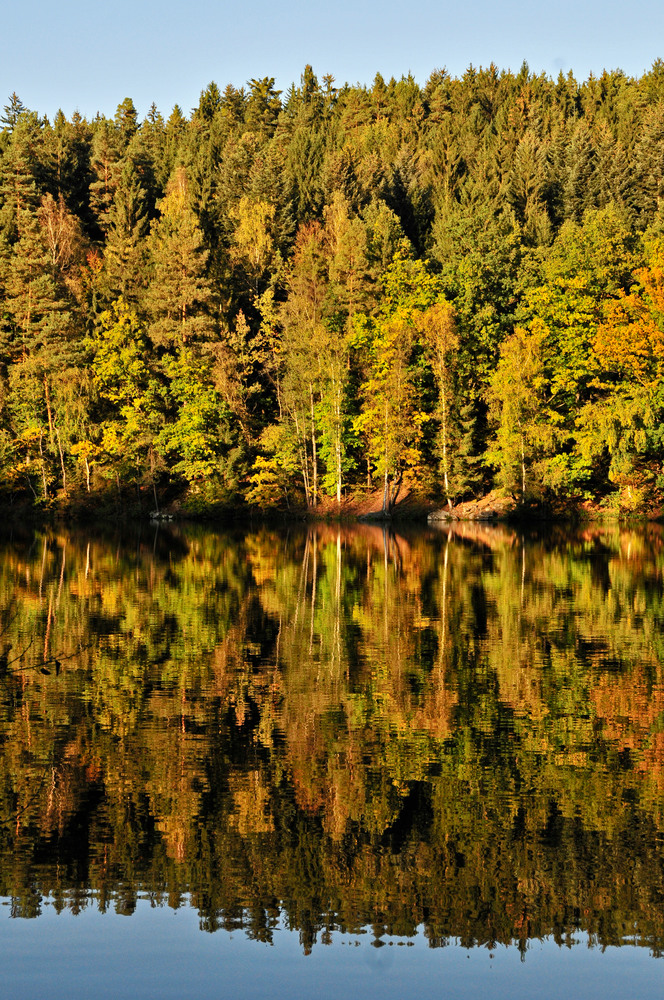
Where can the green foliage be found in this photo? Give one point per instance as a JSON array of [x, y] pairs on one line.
[[281, 238], [179, 292], [516, 403], [125, 379], [479, 254], [275, 469], [193, 438]]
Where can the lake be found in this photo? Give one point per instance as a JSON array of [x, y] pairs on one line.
[[317, 760]]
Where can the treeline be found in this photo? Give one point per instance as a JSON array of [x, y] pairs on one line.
[[282, 299]]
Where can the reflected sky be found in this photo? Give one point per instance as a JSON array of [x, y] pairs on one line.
[[160, 952]]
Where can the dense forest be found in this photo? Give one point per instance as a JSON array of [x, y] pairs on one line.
[[460, 732], [285, 299]]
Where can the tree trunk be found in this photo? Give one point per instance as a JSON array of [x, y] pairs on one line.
[[523, 470], [338, 431], [386, 493], [396, 489], [154, 488], [43, 467], [314, 457], [62, 461], [304, 464], [386, 482], [47, 397], [443, 403]]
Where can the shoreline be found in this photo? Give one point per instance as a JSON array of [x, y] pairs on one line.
[[412, 508]]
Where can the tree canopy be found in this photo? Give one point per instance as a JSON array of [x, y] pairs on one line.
[[339, 289]]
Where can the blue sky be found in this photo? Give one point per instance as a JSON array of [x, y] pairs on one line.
[[89, 56]]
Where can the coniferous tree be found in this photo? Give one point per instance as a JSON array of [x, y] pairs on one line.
[[581, 188], [179, 297], [614, 178], [209, 104], [12, 112], [152, 147], [268, 273], [126, 121], [67, 166], [527, 185], [106, 165], [175, 132], [19, 176], [128, 225], [262, 107], [649, 162]]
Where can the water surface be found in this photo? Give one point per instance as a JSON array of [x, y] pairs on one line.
[[427, 760]]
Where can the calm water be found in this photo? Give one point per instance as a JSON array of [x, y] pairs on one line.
[[372, 762]]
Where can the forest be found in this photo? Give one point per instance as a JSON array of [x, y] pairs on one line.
[[290, 299]]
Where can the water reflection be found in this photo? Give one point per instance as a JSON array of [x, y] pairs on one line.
[[459, 730]]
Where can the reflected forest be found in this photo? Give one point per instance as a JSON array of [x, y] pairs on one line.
[[458, 732]]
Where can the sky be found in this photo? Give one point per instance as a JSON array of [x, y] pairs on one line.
[[86, 56]]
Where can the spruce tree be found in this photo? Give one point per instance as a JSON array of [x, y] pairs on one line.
[[581, 188], [128, 225], [67, 148], [649, 162], [106, 165], [179, 297]]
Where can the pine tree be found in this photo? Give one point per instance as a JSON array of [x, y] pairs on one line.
[[437, 328], [467, 476], [19, 172], [126, 121], [302, 174], [41, 342], [31, 296], [176, 129], [13, 111], [233, 106]]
